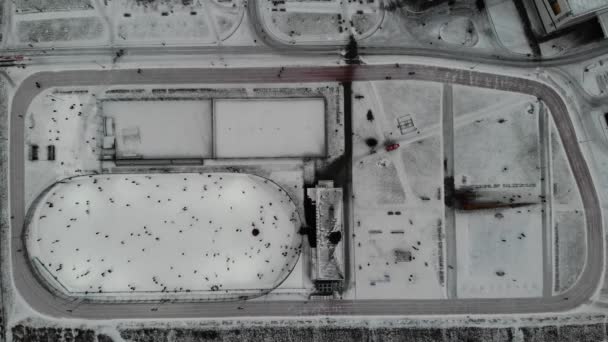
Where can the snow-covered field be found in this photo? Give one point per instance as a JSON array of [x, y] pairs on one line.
[[421, 101], [497, 157], [397, 195], [568, 220], [499, 253], [459, 31], [384, 244], [71, 123], [487, 102], [570, 248], [595, 77], [123, 22], [501, 147], [320, 21], [199, 21], [71, 119], [508, 25], [322, 26], [457, 26], [162, 129], [131, 235], [86, 30], [250, 128], [36, 6]]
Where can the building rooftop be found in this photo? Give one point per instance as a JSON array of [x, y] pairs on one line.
[[329, 252]]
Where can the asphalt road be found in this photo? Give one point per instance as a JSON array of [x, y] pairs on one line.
[[273, 45], [447, 122], [506, 58], [45, 302]]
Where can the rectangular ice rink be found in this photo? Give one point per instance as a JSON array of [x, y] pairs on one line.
[[161, 129], [288, 127]]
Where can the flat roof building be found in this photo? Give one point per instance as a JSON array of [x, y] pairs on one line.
[[559, 14], [328, 255]]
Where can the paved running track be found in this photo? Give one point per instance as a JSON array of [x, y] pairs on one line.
[[45, 302]]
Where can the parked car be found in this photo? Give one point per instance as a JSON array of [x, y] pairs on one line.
[[34, 152], [391, 147], [50, 152]]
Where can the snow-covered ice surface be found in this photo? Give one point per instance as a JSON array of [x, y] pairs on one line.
[[162, 129], [130, 236], [269, 128]]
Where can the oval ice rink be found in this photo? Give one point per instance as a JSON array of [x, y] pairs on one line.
[[164, 233]]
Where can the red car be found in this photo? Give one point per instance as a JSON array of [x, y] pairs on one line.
[[11, 58], [391, 147]]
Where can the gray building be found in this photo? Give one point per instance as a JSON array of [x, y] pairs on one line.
[[328, 255], [556, 15]]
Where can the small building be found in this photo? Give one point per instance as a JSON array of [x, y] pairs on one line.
[[328, 254], [108, 151], [50, 152], [33, 152], [556, 15]]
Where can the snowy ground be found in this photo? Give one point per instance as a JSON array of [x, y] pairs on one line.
[[71, 119], [71, 123], [59, 23], [508, 25], [162, 129], [243, 128], [397, 195], [486, 102], [493, 244], [454, 26], [35, 6], [493, 247], [86, 30], [511, 156], [459, 31], [568, 220], [316, 22], [448, 25], [132, 234], [595, 77], [207, 22], [498, 154]]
